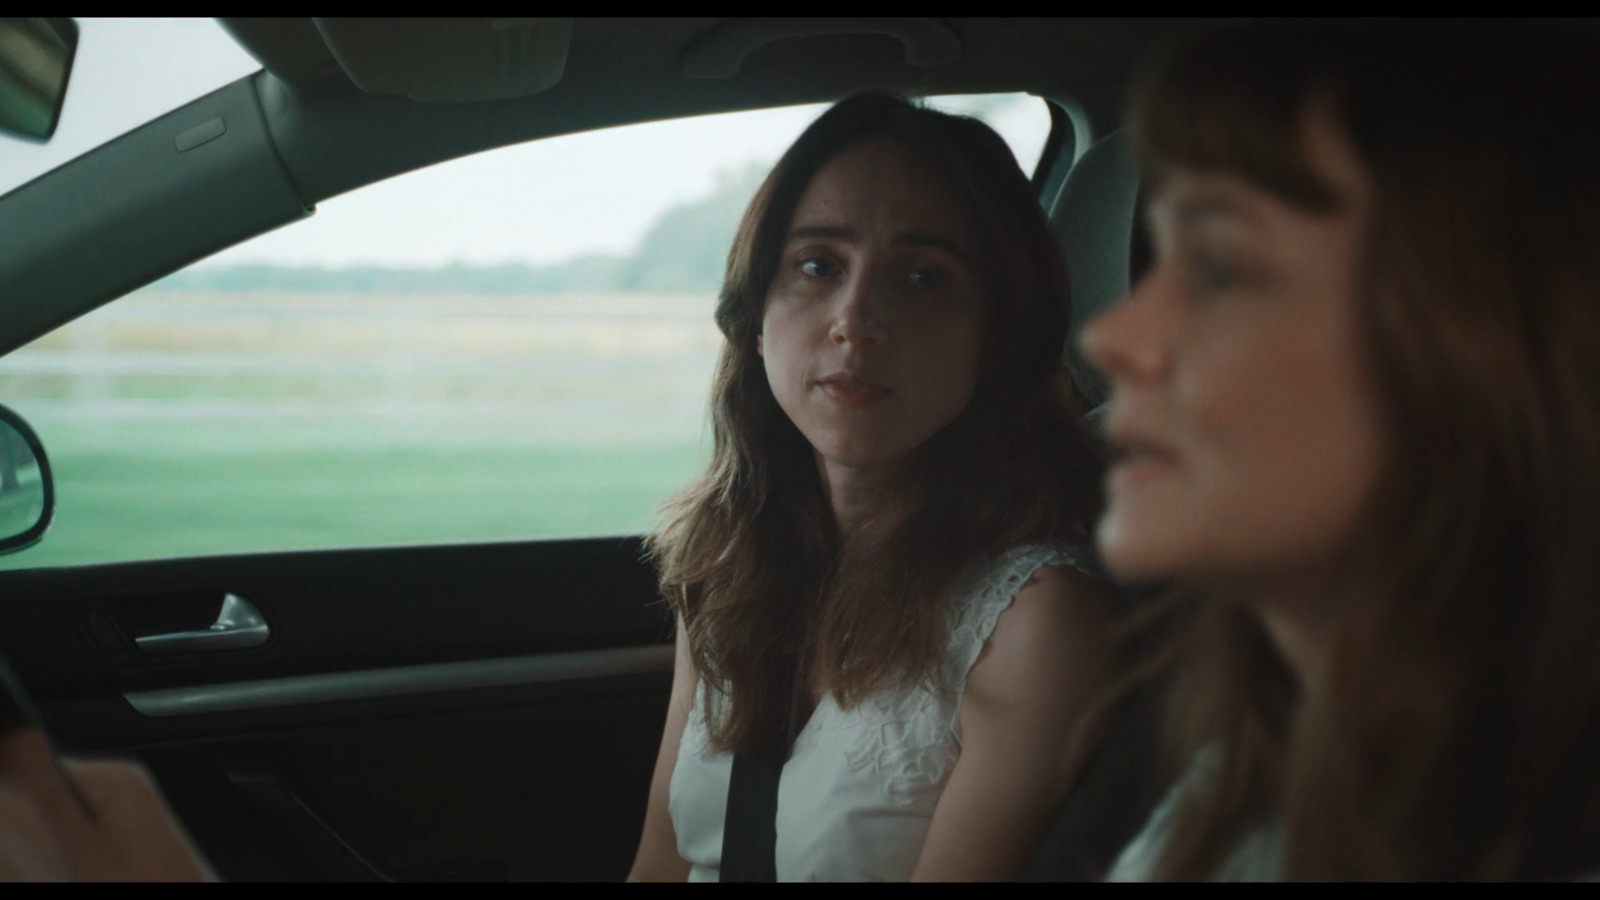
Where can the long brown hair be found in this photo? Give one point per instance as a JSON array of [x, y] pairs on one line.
[[1460, 735], [750, 555]]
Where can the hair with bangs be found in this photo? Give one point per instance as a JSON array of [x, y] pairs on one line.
[[1461, 734], [750, 556]]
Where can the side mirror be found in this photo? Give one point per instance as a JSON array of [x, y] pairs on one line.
[[35, 62], [27, 494]]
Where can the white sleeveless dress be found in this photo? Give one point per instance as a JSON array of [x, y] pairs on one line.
[[857, 795]]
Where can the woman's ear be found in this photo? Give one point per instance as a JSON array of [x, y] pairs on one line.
[[758, 347]]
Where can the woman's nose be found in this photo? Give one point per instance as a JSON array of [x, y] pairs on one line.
[[856, 318], [1129, 339]]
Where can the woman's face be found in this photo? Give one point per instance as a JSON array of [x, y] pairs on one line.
[[873, 325], [1244, 424]]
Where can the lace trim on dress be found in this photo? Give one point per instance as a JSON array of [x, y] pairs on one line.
[[917, 742], [977, 620]]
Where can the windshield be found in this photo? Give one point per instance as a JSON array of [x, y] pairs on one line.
[[127, 72]]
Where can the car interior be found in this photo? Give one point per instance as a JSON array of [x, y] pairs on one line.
[[466, 712]]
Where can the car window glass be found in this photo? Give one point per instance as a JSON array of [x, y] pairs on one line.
[[517, 344], [127, 72]]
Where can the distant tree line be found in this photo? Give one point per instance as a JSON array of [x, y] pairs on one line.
[[683, 251]]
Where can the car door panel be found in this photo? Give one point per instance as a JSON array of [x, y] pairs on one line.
[[462, 712]]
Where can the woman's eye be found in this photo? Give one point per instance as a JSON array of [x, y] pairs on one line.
[[927, 279], [818, 268], [1211, 274]]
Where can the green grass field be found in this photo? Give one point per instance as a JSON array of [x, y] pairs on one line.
[[141, 506], [211, 424]]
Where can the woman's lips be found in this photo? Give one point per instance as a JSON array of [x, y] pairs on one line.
[[1137, 464], [1138, 456], [852, 392]]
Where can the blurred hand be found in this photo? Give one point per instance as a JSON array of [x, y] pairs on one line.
[[45, 834]]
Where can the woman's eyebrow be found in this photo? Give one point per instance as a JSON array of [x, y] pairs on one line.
[[1205, 201], [825, 232], [904, 238], [924, 239]]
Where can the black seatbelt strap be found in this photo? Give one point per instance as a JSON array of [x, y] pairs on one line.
[[749, 827]]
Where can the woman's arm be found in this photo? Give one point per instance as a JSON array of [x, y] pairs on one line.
[[658, 859], [45, 835], [1047, 661]]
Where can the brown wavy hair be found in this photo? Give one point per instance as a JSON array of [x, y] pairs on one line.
[[750, 555], [1461, 734]]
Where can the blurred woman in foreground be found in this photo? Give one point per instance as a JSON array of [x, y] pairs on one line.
[[1356, 409]]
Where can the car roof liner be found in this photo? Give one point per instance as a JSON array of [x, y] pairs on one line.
[[720, 52], [471, 60], [292, 50], [449, 60]]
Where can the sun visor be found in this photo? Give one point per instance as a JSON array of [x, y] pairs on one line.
[[450, 60]]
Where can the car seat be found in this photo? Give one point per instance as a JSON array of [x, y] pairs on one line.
[[1096, 217]]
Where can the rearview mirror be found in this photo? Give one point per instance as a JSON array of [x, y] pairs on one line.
[[35, 62], [27, 494]]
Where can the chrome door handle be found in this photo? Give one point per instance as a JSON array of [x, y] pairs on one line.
[[238, 627]]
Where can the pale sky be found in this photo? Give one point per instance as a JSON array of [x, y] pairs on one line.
[[535, 203]]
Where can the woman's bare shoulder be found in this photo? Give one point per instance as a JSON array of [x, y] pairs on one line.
[[1057, 628]]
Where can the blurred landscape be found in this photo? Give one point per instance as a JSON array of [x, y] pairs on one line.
[[255, 408], [198, 423]]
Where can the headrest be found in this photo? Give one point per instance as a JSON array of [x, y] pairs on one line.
[[1096, 218]]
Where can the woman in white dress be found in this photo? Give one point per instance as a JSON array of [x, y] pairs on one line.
[[1356, 412], [889, 546]]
